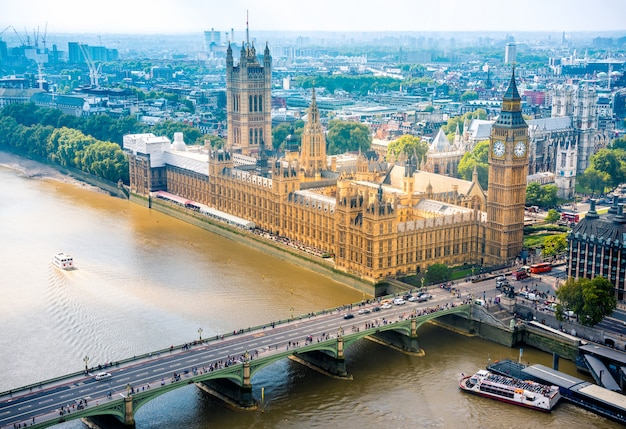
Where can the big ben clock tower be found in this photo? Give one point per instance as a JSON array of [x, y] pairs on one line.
[[508, 169]]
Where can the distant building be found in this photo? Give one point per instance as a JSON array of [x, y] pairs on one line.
[[212, 39], [68, 104], [17, 95], [510, 53], [76, 52]]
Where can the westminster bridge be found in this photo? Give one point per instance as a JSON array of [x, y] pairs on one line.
[[222, 365]]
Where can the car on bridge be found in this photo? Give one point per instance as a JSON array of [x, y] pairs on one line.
[[385, 306], [423, 297], [348, 316], [103, 376], [399, 301]]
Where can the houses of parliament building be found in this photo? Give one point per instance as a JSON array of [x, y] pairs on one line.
[[376, 218]]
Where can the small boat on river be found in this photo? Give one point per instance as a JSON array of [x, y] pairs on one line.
[[63, 261], [524, 393]]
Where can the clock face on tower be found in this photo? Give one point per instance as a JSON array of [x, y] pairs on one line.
[[520, 149], [498, 148]]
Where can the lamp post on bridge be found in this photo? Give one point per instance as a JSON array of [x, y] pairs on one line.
[[86, 359], [200, 333]]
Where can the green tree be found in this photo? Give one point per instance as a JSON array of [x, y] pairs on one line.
[[478, 158], [619, 143], [26, 114], [280, 133], [216, 142], [607, 161], [548, 197], [451, 125], [469, 95], [542, 196], [346, 136], [554, 244], [67, 146], [438, 273], [408, 145], [553, 216], [594, 180], [590, 299], [106, 160]]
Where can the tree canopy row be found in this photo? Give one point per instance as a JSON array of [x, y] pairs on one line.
[[89, 144]]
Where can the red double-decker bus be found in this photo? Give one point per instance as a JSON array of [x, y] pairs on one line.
[[519, 274], [543, 267], [570, 217]]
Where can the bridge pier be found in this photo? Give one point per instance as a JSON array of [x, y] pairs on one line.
[[110, 421], [129, 413], [324, 362], [234, 394], [401, 341]]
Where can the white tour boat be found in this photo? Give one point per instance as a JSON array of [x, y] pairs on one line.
[[524, 393], [63, 261]]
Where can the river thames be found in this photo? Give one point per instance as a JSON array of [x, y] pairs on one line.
[[145, 281]]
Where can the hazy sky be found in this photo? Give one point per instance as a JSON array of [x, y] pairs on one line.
[[190, 16]]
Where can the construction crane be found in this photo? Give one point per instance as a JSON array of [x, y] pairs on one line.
[[36, 38], [27, 37], [2, 32], [43, 38], [94, 72], [18, 36]]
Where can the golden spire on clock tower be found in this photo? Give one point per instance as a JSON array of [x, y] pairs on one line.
[[508, 170]]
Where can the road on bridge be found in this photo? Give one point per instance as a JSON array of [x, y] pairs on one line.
[[72, 395]]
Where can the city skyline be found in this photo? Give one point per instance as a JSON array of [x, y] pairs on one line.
[[191, 16]]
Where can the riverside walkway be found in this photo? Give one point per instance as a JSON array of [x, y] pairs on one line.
[[222, 365]]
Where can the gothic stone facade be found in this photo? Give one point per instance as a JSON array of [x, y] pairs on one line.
[[377, 222]]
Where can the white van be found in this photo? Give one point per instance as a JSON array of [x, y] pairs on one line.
[[103, 376]]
